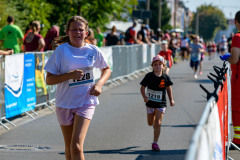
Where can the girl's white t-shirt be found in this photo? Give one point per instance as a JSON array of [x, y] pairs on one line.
[[67, 58]]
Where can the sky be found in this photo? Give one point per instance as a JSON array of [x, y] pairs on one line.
[[228, 7]]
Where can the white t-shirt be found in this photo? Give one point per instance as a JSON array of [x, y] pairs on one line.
[[67, 58]]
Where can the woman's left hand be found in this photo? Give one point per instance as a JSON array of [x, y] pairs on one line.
[[96, 90]]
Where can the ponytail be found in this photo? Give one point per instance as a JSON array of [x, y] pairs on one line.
[[59, 40]]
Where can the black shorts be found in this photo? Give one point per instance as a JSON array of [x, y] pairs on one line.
[[153, 104]]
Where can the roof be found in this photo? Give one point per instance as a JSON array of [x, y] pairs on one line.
[[122, 26]]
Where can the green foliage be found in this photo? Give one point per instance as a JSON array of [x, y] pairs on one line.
[[51, 12], [97, 12], [165, 18], [211, 19], [25, 11], [7, 8]]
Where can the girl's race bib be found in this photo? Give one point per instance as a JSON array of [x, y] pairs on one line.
[[86, 78], [154, 95]]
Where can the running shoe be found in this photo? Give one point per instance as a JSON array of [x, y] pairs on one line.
[[155, 147], [195, 75], [200, 73]]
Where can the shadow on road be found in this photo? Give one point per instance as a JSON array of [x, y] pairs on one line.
[[146, 154], [164, 155], [199, 81], [191, 125]]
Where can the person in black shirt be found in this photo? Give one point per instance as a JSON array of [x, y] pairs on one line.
[[112, 38], [153, 89]]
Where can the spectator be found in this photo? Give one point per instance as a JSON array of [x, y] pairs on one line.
[[51, 34], [131, 35], [90, 38], [34, 41], [153, 38], [160, 35], [99, 37], [144, 34], [233, 58], [112, 38], [10, 34], [139, 38], [27, 30], [148, 29], [121, 38]]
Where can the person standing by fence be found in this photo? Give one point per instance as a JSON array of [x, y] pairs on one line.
[[10, 35], [112, 38], [34, 41], [71, 68], [51, 34], [131, 35], [157, 83], [233, 58]]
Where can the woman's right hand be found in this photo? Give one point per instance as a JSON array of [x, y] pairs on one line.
[[76, 74]]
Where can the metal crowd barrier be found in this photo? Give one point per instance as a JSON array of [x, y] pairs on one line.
[[125, 59], [212, 137]]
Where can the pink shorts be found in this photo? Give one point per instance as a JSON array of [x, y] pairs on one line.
[[151, 110], [66, 116]]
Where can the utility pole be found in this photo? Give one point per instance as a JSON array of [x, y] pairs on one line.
[[148, 9], [175, 12], [159, 13], [197, 22]]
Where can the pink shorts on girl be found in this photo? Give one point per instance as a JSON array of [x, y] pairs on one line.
[[151, 110], [65, 116]]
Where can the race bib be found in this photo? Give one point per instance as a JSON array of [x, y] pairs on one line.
[[87, 78], [154, 95]]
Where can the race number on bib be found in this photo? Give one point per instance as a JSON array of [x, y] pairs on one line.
[[86, 78], [154, 95]]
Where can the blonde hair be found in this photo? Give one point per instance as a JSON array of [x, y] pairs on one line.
[[35, 26], [63, 39]]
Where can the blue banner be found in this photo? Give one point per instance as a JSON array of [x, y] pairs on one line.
[[20, 93]]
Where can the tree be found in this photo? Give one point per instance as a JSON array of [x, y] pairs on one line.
[[7, 8], [25, 11], [211, 19], [166, 14], [50, 12], [97, 12]]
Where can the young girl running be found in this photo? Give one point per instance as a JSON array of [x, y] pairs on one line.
[[71, 68], [156, 83], [167, 55]]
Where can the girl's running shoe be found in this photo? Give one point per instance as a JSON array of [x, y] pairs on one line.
[[155, 147]]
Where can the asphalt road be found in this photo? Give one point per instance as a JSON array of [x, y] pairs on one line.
[[119, 129]]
